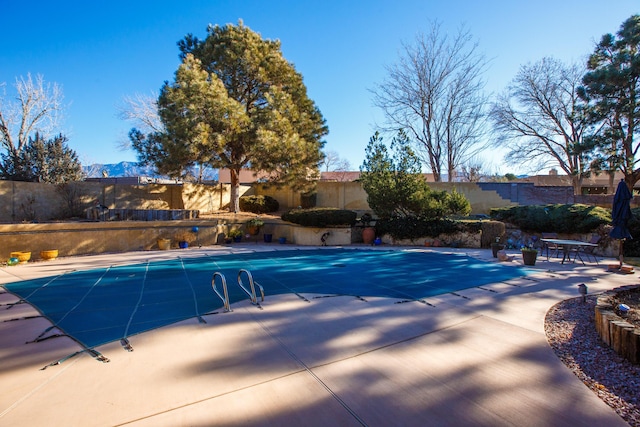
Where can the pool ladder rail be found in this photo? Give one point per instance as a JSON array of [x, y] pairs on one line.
[[225, 295], [251, 292]]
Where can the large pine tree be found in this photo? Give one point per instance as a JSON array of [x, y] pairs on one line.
[[612, 86], [235, 103]]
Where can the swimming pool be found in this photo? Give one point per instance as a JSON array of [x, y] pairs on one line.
[[98, 306]]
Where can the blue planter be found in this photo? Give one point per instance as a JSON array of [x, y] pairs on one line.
[[183, 245], [237, 239], [282, 240], [267, 238]]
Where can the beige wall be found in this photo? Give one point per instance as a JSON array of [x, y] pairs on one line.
[[27, 201], [350, 195]]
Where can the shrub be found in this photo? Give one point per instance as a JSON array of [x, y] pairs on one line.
[[458, 204], [234, 232], [255, 222], [320, 217], [557, 218], [259, 204], [412, 227], [396, 187], [491, 230]]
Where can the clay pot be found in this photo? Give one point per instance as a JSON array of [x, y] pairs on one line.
[[164, 244], [50, 254], [23, 257], [368, 235]]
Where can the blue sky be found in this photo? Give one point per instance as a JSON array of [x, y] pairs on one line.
[[100, 52]]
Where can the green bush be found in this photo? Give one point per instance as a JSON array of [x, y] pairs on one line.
[[396, 187], [457, 203], [259, 204], [320, 217], [557, 218], [412, 227]]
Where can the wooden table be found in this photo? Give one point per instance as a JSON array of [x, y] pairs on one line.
[[567, 246]]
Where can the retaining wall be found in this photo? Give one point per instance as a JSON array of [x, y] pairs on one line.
[[614, 330]]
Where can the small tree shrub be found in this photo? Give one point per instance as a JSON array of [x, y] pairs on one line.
[[556, 218], [321, 217], [491, 231], [259, 204], [396, 187], [72, 196], [457, 203]]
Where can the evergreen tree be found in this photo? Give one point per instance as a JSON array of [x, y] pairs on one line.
[[235, 103], [396, 187], [612, 86], [41, 160]]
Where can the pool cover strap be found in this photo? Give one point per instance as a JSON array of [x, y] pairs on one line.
[[93, 353]]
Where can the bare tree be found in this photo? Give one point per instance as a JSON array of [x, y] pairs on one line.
[[37, 108], [142, 110], [333, 162], [472, 170], [541, 120], [435, 93]]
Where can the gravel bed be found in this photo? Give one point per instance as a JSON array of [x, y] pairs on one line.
[[570, 330]]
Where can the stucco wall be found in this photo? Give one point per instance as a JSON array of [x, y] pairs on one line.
[[350, 195], [28, 201]]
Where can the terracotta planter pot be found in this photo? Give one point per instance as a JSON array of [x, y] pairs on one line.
[[368, 235]]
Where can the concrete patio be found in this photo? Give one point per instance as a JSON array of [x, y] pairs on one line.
[[474, 357]]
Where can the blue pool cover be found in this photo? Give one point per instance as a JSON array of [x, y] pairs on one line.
[[95, 307]]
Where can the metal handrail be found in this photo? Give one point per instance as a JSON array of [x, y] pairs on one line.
[[225, 298], [252, 285]]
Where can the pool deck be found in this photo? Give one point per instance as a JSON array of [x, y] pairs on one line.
[[477, 357]]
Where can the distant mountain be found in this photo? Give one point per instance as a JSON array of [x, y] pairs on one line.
[[123, 169], [117, 170]]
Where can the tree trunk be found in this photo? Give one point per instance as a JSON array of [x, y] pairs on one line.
[[576, 181], [612, 185], [234, 203]]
